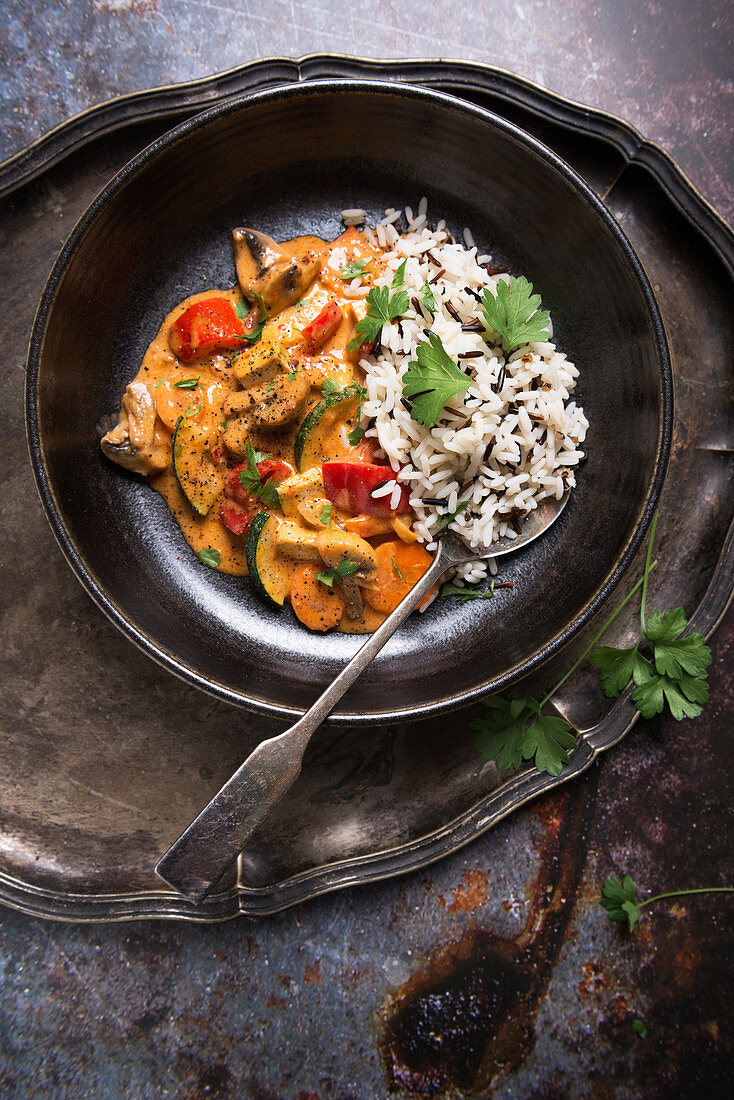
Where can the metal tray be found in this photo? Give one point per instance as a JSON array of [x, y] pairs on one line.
[[104, 757]]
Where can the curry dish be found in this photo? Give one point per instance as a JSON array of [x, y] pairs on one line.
[[245, 416]]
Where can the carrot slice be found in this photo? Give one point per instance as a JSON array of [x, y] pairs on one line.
[[316, 605], [172, 401], [399, 566]]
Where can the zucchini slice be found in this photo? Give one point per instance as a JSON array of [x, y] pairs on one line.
[[319, 437], [195, 472], [270, 574]]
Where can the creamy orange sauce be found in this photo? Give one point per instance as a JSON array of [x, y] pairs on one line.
[[211, 381]]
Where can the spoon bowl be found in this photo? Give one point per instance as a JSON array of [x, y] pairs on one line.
[[215, 838]]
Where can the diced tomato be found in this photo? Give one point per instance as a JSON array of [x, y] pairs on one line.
[[274, 469], [235, 516], [239, 507], [350, 485], [206, 327], [324, 326]]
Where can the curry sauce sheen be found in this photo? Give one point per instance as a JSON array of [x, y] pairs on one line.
[[244, 403]]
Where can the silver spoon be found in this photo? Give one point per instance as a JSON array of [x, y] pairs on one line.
[[212, 842]]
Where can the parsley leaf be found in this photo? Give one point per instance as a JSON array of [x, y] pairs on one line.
[[468, 593], [345, 568], [684, 696], [621, 904], [676, 656], [329, 387], [432, 381], [514, 730], [251, 479], [428, 298], [399, 277], [395, 564], [242, 308], [448, 517], [515, 313], [187, 384], [193, 410], [326, 515], [620, 901], [209, 556], [498, 735], [353, 270], [640, 1029], [618, 667], [382, 308]]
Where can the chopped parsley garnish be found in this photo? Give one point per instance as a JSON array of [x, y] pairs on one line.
[[397, 569], [382, 308], [353, 270], [639, 1028], [469, 593], [242, 309], [515, 313], [428, 298], [326, 515], [356, 433], [193, 410], [292, 374], [330, 387], [399, 277], [449, 517], [619, 898], [270, 386], [251, 479], [209, 556], [187, 384], [432, 381], [345, 568]]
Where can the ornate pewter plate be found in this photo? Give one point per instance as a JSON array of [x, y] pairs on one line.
[[286, 161], [105, 761]]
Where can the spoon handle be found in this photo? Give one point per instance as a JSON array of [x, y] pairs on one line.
[[212, 842]]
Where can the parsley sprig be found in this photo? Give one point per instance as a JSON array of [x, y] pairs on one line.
[[470, 592], [432, 381], [619, 899], [428, 298], [382, 308], [353, 270], [345, 568], [515, 313], [673, 672], [251, 479], [187, 383], [514, 730]]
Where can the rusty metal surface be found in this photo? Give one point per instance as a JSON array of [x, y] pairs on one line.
[[494, 971]]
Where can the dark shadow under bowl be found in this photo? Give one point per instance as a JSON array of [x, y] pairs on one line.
[[287, 162]]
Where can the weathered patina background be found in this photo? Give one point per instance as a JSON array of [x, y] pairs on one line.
[[495, 971]]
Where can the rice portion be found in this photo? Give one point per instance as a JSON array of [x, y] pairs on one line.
[[510, 441]]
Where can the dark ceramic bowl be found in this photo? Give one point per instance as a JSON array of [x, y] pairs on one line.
[[287, 161]]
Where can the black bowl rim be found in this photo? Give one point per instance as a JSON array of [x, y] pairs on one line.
[[73, 554]]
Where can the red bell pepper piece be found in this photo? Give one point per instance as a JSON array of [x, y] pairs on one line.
[[350, 485], [239, 507], [325, 325], [206, 327]]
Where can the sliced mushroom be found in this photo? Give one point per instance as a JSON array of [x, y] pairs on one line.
[[136, 443], [312, 510], [268, 270], [237, 435], [349, 591], [296, 542], [338, 546]]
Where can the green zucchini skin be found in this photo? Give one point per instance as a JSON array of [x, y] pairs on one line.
[[312, 421], [272, 586], [201, 492]]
